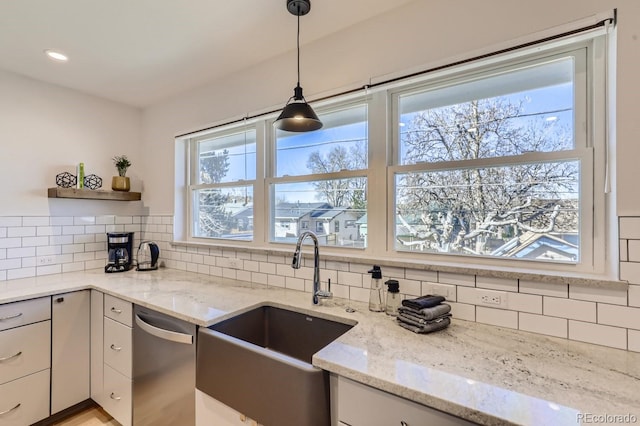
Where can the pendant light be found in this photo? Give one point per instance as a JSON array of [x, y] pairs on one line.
[[297, 115]]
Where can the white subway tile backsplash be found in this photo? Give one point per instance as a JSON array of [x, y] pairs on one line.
[[3, 275], [294, 283], [251, 265], [10, 263], [543, 325], [84, 220], [350, 278], [48, 270], [73, 248], [596, 294], [634, 295], [448, 291], [95, 229], [259, 278], [623, 250], [21, 252], [72, 230], [630, 271], [620, 316], [544, 289], [276, 281], [42, 231], [497, 283], [73, 267], [569, 308], [633, 251], [203, 269], [7, 221], [634, 340], [457, 279], [605, 335], [463, 311], [285, 270], [35, 220], [413, 274], [521, 302], [359, 294], [81, 257], [630, 228], [61, 239], [267, 268], [498, 317], [10, 242], [410, 287], [13, 274], [84, 238], [243, 275], [23, 231], [3, 253], [124, 220], [28, 262], [61, 221], [3, 232], [34, 241]]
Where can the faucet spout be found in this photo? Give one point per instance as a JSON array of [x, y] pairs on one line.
[[295, 264]]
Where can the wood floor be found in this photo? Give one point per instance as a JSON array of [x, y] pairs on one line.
[[93, 416]]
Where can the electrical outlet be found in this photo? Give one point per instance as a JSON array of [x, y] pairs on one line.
[[492, 298], [45, 260]]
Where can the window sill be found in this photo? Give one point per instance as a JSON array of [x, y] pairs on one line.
[[504, 273]]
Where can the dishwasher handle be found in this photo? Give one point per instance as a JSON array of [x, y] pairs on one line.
[[172, 336]]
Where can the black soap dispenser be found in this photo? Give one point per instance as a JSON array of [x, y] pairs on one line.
[[375, 294], [393, 298]]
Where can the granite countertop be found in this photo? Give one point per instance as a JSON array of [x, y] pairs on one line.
[[485, 374]]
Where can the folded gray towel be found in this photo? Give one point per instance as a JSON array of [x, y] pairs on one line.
[[427, 328], [427, 313], [419, 321]]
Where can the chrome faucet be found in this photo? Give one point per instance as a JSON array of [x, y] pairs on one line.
[[295, 264]]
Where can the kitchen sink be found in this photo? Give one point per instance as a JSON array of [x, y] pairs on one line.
[[259, 363]]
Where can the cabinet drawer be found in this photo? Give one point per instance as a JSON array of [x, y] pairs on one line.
[[118, 310], [117, 396], [118, 346], [361, 405], [26, 400], [26, 312], [24, 350]]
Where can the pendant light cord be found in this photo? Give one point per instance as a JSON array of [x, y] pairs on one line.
[[298, 44]]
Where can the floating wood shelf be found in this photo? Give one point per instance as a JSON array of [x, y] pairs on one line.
[[93, 194]]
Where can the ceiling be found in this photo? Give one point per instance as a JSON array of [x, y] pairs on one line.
[[140, 52]]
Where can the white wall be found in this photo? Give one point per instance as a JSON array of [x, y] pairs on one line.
[[420, 33], [48, 129]]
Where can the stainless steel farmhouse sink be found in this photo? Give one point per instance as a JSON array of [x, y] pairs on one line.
[[259, 363]]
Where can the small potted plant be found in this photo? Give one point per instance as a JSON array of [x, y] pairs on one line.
[[121, 182]]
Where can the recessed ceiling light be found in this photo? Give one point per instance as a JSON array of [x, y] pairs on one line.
[[56, 56]]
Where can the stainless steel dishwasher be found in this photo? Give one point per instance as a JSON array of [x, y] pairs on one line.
[[164, 369]]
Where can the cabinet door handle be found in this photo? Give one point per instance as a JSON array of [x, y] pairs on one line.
[[113, 396], [7, 358], [115, 348], [116, 311], [403, 423], [19, 314], [2, 413]]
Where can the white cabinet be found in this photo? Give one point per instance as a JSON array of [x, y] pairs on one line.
[[210, 411], [111, 355], [361, 405], [70, 339], [25, 351]]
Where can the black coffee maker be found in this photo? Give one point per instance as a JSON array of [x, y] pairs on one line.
[[120, 248]]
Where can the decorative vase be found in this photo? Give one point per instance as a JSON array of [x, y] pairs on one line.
[[120, 183]]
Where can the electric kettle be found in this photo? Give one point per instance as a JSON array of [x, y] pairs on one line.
[[148, 253]]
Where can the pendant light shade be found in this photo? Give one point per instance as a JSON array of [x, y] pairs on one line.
[[297, 115]]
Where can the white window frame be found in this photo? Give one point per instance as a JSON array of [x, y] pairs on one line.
[[590, 142]]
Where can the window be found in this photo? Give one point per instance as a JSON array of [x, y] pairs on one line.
[[222, 184], [491, 165], [322, 173], [496, 163]]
